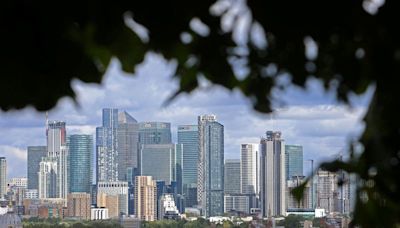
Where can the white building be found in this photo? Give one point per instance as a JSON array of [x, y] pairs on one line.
[[3, 176], [98, 213], [116, 188], [167, 207], [250, 172], [31, 194], [237, 203], [19, 182]]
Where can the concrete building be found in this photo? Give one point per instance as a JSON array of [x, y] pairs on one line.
[[273, 177], [188, 136], [99, 214], [31, 194], [167, 208], [19, 182], [145, 198], [115, 188], [3, 177], [293, 161], [292, 202], [250, 172], [111, 202], [35, 155], [210, 184], [326, 191], [237, 203], [79, 205], [232, 176]]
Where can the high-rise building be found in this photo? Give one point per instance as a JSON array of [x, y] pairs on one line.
[[237, 203], [145, 198], [188, 136], [250, 172], [115, 188], [80, 154], [294, 161], [128, 139], [273, 178], [3, 177], [35, 155], [292, 202], [232, 176], [53, 173], [78, 204], [210, 184], [161, 161], [155, 133], [106, 147], [327, 192]]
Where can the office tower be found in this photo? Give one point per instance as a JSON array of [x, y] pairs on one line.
[[250, 172], [106, 147], [237, 203], [3, 177], [128, 139], [53, 173], [35, 155], [326, 190], [115, 188], [78, 204], [292, 202], [210, 184], [155, 133], [273, 178], [294, 161], [232, 176], [188, 136], [161, 161], [145, 198], [80, 153]]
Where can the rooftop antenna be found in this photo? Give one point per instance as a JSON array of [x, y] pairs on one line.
[[47, 123]]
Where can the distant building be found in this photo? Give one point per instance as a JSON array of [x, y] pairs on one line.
[[111, 202], [19, 182], [210, 187], [145, 198], [99, 214], [250, 172], [130, 222], [31, 194], [155, 133], [81, 162], [232, 176], [188, 136], [237, 203], [292, 202], [326, 191], [79, 205], [115, 188], [293, 161], [3, 177], [167, 208], [273, 177], [35, 155]]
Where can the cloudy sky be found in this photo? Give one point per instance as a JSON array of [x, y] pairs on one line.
[[311, 117]]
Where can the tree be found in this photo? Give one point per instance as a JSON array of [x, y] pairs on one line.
[[46, 44]]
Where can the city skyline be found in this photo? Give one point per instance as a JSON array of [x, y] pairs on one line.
[[311, 118]]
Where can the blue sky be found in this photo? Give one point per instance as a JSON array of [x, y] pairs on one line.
[[311, 117]]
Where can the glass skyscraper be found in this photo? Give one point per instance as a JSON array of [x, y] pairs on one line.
[[210, 187], [106, 147], [155, 133], [80, 162], [35, 155], [232, 176], [188, 136], [294, 161]]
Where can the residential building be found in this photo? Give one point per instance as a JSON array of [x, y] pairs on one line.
[[79, 204], [111, 202], [273, 178], [35, 155], [81, 162], [155, 133], [232, 176], [210, 184], [145, 198], [128, 139], [188, 136], [106, 147], [326, 190], [3, 177], [115, 188], [294, 161]]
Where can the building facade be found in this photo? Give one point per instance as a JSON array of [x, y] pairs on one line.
[[145, 198], [188, 136], [79, 205], [232, 176], [306, 200], [3, 177], [155, 133], [327, 191], [273, 178], [115, 188], [35, 155], [81, 162], [210, 184], [250, 172], [237, 204], [294, 161]]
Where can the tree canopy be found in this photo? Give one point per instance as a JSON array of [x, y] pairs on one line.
[[348, 44]]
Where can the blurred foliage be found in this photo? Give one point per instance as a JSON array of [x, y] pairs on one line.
[[199, 223], [291, 221], [348, 44], [39, 223]]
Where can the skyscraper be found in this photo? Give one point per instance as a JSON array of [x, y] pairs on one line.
[[3, 177], [188, 136], [106, 146], [155, 133], [53, 173], [128, 139], [273, 178], [145, 198], [35, 155], [294, 161], [210, 187], [250, 172], [232, 176], [80, 153]]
